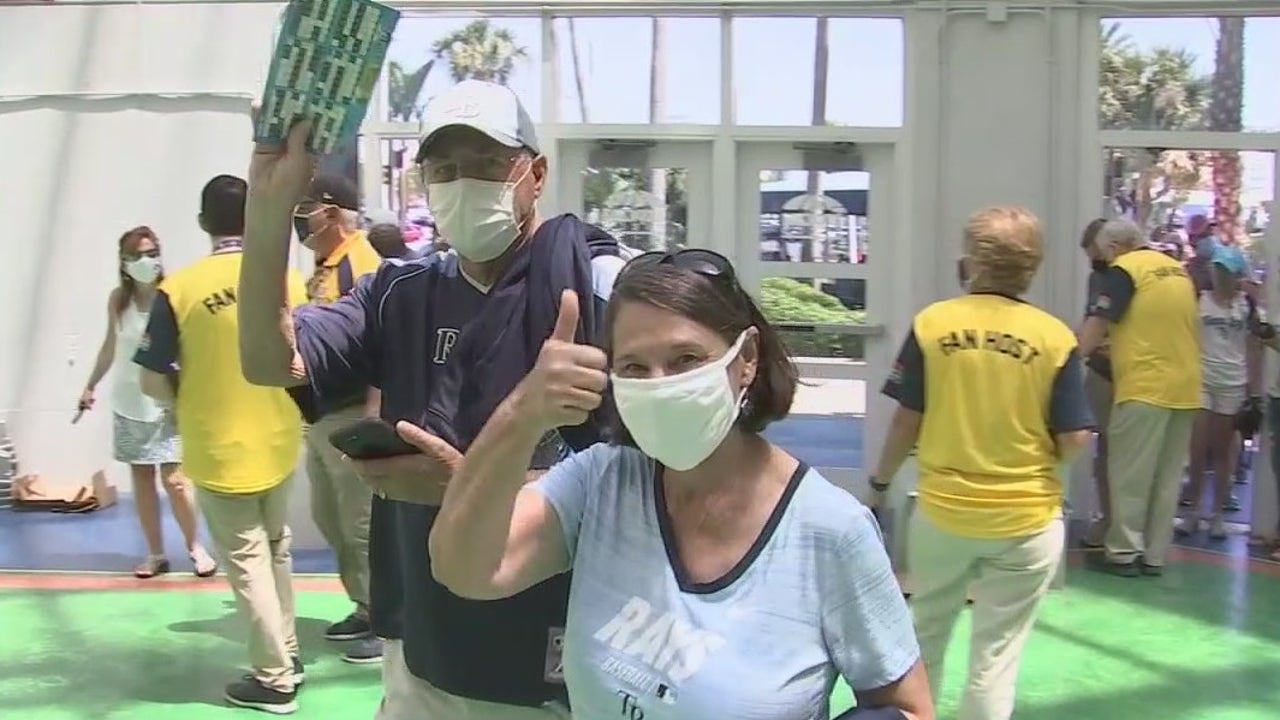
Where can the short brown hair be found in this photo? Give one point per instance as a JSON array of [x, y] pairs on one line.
[[719, 303], [1005, 246]]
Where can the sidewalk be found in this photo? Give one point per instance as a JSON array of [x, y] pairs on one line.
[[830, 397]]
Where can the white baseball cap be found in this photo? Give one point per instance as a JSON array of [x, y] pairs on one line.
[[491, 108]]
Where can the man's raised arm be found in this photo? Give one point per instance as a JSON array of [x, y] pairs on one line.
[[268, 341], [278, 180]]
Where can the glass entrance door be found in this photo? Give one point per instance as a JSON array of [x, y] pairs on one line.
[[809, 245], [650, 196], [1176, 195]]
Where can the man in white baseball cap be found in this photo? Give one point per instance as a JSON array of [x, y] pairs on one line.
[[446, 656]]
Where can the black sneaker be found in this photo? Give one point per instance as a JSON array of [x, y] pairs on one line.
[[1099, 562], [352, 627], [368, 650], [250, 693]]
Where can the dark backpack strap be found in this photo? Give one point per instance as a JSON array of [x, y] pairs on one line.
[[346, 278]]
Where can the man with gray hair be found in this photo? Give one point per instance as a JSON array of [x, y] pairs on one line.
[[327, 222], [1146, 305]]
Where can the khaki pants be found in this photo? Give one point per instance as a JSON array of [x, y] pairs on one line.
[[1147, 451], [251, 534], [1006, 578], [340, 505], [407, 697]]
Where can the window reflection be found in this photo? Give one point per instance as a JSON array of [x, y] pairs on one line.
[[1189, 74]]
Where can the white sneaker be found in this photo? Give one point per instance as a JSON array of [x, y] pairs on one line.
[[1217, 529]]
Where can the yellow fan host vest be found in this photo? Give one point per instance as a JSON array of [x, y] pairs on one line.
[[1155, 348], [236, 438], [987, 458]]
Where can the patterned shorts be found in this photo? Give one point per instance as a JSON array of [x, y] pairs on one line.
[[137, 442]]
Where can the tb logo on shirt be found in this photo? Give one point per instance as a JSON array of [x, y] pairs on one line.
[[446, 338]]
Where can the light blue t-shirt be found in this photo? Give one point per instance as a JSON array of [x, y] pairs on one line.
[[814, 598]]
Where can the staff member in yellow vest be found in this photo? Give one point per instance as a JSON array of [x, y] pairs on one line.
[[1147, 305], [327, 222], [240, 442], [990, 391]]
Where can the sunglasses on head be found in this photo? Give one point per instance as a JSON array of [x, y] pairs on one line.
[[703, 262]]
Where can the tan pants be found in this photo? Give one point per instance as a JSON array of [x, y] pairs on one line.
[[340, 505], [1006, 578], [408, 697], [1147, 451], [251, 534]]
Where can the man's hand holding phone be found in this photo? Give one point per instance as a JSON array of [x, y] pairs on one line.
[[404, 463]]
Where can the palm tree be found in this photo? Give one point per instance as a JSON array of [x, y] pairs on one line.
[[480, 51], [1155, 90], [403, 90], [1226, 114]]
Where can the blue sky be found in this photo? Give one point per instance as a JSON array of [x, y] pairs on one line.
[[865, 82]]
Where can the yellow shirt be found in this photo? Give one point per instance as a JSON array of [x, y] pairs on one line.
[[237, 438], [336, 274], [1155, 344], [994, 371]]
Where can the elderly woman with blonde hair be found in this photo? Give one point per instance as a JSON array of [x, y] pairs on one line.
[[990, 391]]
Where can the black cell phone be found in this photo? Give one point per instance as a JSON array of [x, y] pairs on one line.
[[370, 439]]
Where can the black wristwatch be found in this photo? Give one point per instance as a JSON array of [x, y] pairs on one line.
[[877, 485]]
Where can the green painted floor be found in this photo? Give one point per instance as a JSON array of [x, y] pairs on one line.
[[1202, 643]]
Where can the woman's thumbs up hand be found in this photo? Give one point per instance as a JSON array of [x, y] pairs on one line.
[[568, 380]]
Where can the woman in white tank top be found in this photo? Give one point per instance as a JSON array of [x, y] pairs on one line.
[[144, 435], [1225, 361]]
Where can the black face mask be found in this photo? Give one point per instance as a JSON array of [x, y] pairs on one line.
[[302, 228], [961, 275], [1100, 265]]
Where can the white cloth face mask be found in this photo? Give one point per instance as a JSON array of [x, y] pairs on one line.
[[144, 270], [477, 217], [680, 420]]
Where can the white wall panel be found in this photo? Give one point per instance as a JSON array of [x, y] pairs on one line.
[[87, 170], [996, 94], [127, 48]]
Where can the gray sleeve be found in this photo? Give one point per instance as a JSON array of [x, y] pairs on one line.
[[867, 624], [565, 485]]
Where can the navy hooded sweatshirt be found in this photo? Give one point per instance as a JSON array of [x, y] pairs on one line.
[[445, 352]]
